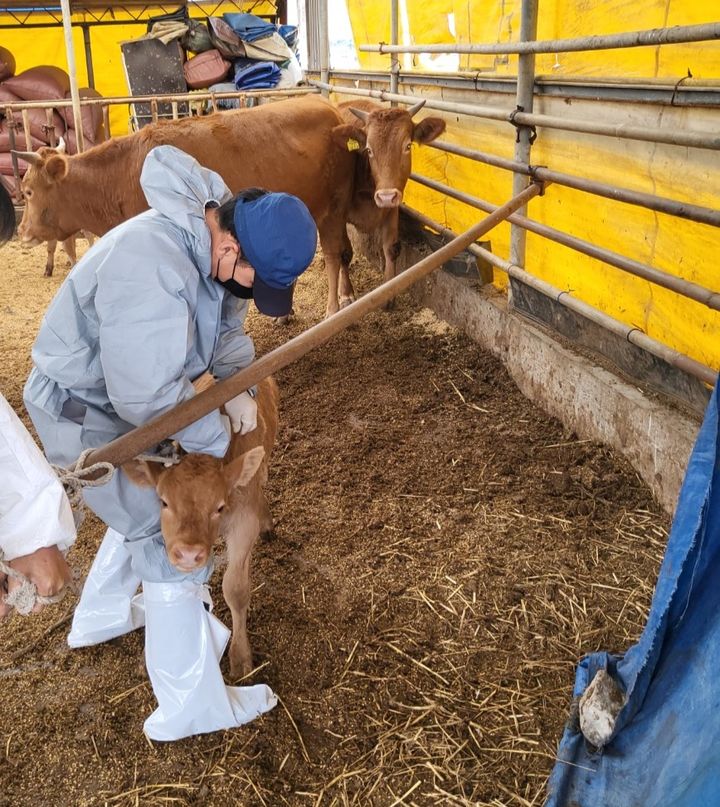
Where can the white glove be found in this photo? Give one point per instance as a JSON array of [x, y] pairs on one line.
[[242, 410]]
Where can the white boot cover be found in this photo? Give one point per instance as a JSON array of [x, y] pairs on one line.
[[107, 607], [183, 646]]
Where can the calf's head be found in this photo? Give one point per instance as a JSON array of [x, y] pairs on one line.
[[385, 137], [45, 197], [194, 495]]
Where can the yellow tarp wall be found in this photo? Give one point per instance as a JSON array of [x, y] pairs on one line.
[[35, 46], [682, 248]]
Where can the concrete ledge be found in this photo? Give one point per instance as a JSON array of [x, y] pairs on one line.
[[596, 404]]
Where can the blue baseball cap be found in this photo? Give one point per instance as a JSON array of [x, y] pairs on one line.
[[278, 237]]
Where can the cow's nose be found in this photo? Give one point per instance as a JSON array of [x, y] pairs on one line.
[[388, 197], [188, 557]]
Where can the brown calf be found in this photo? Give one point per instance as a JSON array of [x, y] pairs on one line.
[[203, 498]]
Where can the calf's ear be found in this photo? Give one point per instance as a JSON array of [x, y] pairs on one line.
[[349, 137], [243, 468], [56, 166], [142, 473], [428, 129]]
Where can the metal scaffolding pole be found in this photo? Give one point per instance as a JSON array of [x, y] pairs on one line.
[[661, 204], [622, 130], [684, 287], [525, 134], [72, 71], [394, 61], [632, 334], [676, 35], [324, 42]]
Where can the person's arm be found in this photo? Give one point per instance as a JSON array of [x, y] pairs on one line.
[[145, 329], [36, 522], [235, 349]]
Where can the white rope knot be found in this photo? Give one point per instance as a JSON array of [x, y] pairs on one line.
[[79, 476]]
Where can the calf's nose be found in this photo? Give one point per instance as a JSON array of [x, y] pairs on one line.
[[388, 197], [187, 557]]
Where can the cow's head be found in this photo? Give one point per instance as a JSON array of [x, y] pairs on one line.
[[42, 187], [385, 138], [193, 496]]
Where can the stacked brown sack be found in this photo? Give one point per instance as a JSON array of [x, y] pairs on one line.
[[42, 83], [92, 122]]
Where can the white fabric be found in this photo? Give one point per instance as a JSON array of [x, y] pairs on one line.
[[291, 75], [183, 646], [242, 411], [107, 607], [34, 510]]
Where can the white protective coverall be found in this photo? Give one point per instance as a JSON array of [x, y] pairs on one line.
[[34, 510], [136, 320]]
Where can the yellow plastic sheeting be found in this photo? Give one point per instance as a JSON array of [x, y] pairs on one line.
[[488, 21], [36, 46], [682, 248]]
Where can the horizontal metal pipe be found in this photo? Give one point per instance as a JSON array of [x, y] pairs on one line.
[[632, 334], [676, 35], [139, 99], [704, 215], [699, 140], [621, 130], [680, 286], [692, 92], [143, 437]]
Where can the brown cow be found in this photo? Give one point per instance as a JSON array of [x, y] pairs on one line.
[[382, 145], [282, 146], [203, 497]]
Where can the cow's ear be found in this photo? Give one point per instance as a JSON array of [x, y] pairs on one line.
[[428, 129], [56, 166], [349, 137], [242, 469], [142, 473]]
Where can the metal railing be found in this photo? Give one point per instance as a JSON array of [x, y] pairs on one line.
[[180, 104], [524, 120]]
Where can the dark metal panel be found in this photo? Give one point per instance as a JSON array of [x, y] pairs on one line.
[[638, 364]]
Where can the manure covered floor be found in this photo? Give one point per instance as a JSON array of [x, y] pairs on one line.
[[444, 554]]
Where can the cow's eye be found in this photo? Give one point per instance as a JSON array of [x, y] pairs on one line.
[[221, 508], [409, 146], [369, 151], [163, 503], [28, 194]]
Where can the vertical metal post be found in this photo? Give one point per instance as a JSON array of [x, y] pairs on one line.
[[88, 55], [70, 55], [324, 44], [26, 130], [524, 101], [394, 59], [12, 128], [106, 120], [50, 127]]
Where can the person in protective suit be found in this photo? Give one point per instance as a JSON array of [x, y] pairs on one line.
[[155, 304], [36, 522]]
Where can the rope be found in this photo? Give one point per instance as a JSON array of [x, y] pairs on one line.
[[168, 452], [24, 598], [78, 477]]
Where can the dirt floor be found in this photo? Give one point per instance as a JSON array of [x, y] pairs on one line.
[[444, 555]]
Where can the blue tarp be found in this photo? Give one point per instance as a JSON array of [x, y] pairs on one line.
[[665, 749], [256, 76], [248, 26]]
